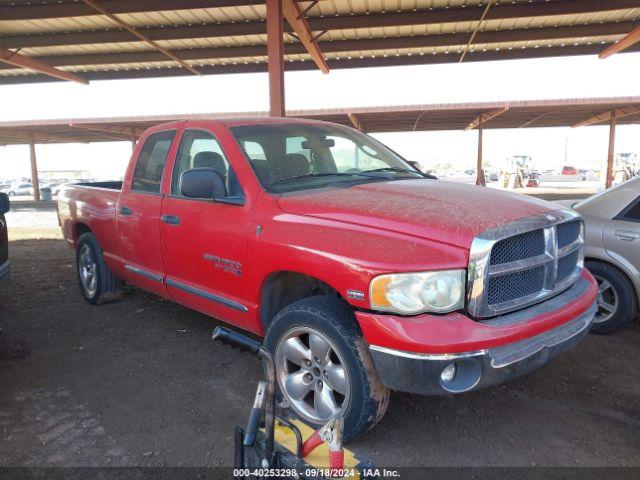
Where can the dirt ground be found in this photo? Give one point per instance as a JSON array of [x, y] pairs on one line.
[[139, 382]]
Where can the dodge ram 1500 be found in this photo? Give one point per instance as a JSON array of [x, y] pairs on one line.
[[363, 274]]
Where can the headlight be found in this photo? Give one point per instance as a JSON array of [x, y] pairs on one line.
[[411, 293]]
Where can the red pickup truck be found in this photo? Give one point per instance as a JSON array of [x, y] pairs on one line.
[[363, 274]]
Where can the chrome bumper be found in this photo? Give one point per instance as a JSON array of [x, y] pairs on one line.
[[421, 373]]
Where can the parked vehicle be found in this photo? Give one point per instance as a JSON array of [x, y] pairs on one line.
[[626, 165], [569, 170], [4, 240], [612, 251], [19, 189], [363, 274], [55, 188]]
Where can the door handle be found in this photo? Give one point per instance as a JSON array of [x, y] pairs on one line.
[[125, 211], [170, 219], [627, 235]]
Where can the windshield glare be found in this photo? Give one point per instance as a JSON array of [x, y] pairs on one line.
[[298, 157]]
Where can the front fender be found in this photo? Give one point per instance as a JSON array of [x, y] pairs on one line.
[[344, 256]]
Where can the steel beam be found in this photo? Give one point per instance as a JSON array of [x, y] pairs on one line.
[[604, 116], [378, 61], [140, 36], [356, 122], [275, 53], [485, 117], [297, 21], [35, 181], [480, 178], [612, 149], [475, 30], [77, 9], [623, 44], [104, 131], [21, 61]]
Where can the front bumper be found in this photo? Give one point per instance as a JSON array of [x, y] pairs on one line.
[[508, 353], [5, 268]]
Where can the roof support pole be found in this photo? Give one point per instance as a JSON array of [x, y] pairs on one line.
[[29, 63], [356, 122], [480, 179], [34, 169], [275, 54], [626, 42], [612, 149], [134, 139]]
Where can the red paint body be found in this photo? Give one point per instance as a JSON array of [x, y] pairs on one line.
[[343, 237]]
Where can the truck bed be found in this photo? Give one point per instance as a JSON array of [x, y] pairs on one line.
[[90, 206], [111, 185]]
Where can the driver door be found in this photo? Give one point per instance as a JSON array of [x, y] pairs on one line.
[[204, 242]]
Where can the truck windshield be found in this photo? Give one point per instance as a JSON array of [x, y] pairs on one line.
[[292, 157]]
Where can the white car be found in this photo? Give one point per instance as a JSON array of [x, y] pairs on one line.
[[19, 189]]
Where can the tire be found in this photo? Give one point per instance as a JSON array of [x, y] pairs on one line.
[[104, 286], [330, 320], [614, 290]]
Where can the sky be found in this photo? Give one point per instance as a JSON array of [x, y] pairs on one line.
[[551, 78]]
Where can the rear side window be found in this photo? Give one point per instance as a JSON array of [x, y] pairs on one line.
[[632, 212], [147, 175]]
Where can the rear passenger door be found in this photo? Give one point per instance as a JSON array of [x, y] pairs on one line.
[[138, 212]]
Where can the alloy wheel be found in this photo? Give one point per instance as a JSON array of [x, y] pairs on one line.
[[607, 300], [311, 374], [87, 269]]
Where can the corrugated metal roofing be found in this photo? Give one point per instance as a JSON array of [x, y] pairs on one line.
[[520, 114], [226, 36]]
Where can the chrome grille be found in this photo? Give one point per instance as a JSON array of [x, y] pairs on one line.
[[524, 262], [567, 264], [518, 247], [511, 286]]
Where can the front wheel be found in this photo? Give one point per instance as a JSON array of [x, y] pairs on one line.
[[616, 298], [323, 365]]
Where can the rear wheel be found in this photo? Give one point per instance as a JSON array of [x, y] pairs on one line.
[[97, 283], [323, 365], [616, 299]]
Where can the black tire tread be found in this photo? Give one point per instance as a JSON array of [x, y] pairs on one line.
[[109, 286], [340, 316], [627, 297]]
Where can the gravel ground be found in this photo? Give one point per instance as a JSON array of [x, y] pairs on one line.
[[139, 382]]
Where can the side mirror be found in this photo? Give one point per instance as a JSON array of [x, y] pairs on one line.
[[202, 183], [5, 204]]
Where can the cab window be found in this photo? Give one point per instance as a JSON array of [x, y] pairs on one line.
[[147, 176], [200, 149]]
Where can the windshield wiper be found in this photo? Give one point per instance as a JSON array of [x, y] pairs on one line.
[[398, 170], [312, 175]]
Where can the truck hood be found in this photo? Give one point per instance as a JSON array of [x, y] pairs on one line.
[[447, 212]]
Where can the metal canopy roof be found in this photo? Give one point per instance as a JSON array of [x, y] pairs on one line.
[[517, 114], [227, 36]]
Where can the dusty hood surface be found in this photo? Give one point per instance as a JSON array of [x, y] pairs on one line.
[[444, 211]]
